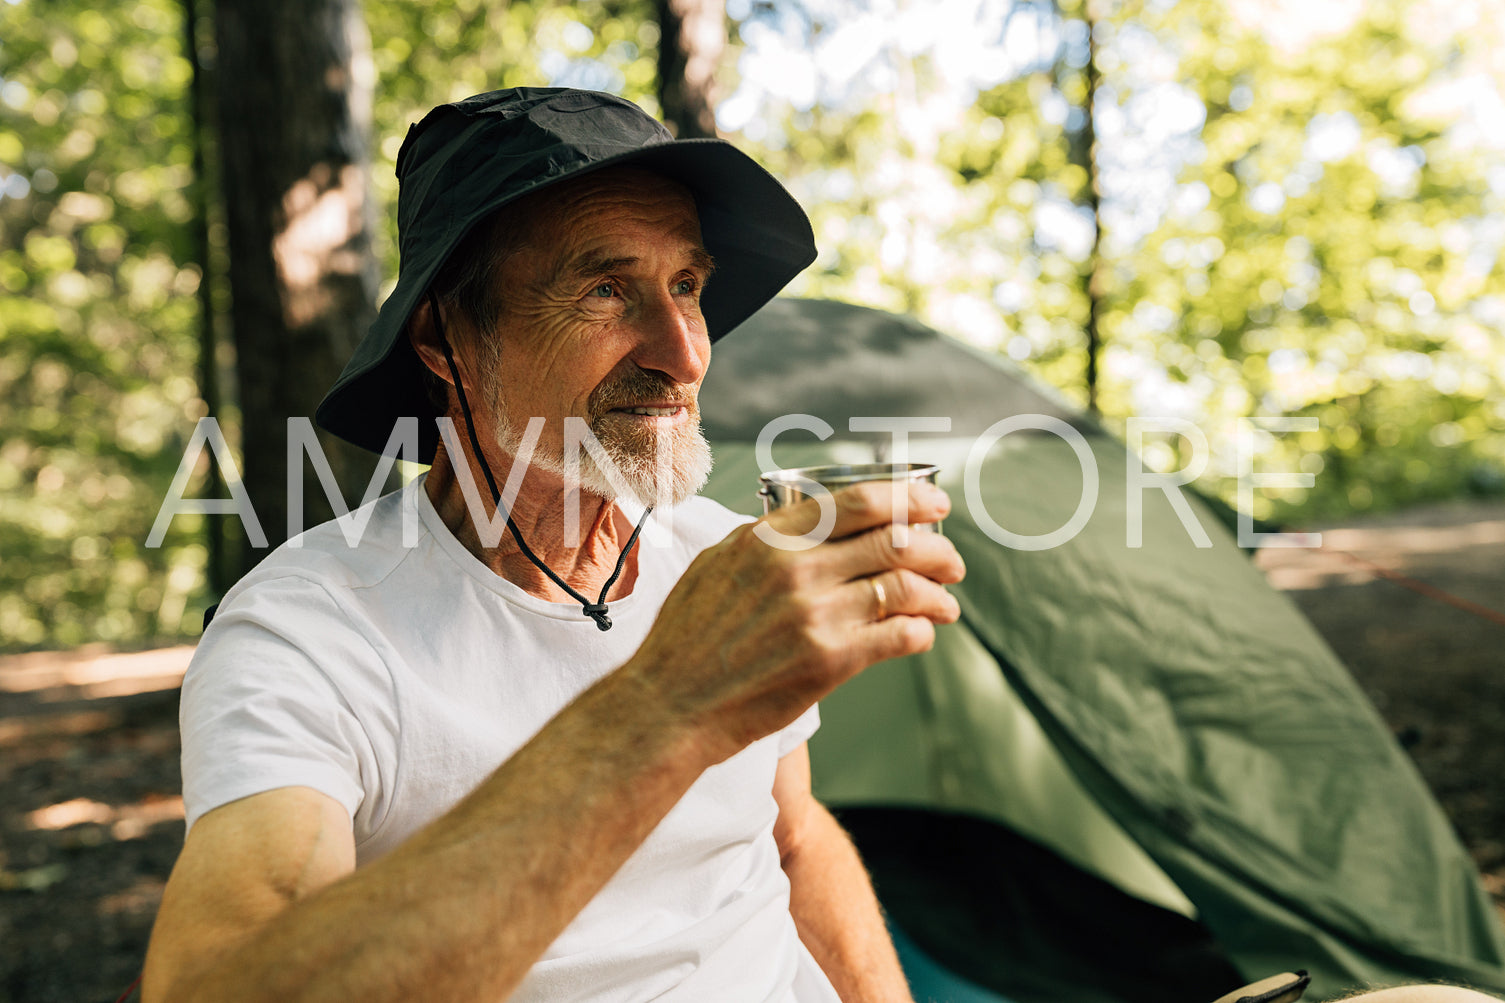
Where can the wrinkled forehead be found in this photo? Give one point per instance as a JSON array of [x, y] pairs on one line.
[[620, 206], [614, 195]]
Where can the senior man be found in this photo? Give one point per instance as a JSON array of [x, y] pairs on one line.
[[486, 763], [500, 749]]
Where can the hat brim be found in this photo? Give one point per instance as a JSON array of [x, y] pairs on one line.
[[757, 233]]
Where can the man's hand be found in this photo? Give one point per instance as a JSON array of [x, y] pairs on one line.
[[753, 635]]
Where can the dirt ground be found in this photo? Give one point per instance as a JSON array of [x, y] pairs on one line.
[[91, 821], [90, 818]]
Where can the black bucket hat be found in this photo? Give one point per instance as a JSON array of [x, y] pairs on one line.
[[467, 159]]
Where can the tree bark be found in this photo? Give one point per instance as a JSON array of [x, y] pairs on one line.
[[218, 566], [1096, 277], [295, 127], [692, 39], [1084, 153]]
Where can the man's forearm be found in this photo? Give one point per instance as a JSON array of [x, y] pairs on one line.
[[465, 907], [838, 917]]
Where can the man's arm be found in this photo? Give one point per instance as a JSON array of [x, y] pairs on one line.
[[264, 903], [261, 908], [830, 895], [243, 864]]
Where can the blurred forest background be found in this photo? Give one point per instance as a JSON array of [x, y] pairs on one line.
[[1206, 209]]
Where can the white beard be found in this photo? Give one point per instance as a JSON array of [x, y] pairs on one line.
[[665, 471]]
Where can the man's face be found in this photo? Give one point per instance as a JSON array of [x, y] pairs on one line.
[[601, 321]]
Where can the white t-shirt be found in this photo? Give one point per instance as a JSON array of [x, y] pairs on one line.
[[396, 675]]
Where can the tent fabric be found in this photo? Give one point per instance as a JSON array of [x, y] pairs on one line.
[[834, 361], [1189, 702]]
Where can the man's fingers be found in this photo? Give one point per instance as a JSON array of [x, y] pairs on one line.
[[886, 503], [904, 622], [929, 554], [862, 506], [898, 594], [893, 637]]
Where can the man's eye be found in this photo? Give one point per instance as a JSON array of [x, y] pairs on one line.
[[604, 291], [684, 287]]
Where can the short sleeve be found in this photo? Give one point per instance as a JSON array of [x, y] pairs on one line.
[[259, 708], [804, 726]]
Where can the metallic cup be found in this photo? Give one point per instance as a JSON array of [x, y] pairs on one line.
[[779, 488]]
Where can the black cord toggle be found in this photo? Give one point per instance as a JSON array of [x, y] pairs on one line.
[[597, 612]]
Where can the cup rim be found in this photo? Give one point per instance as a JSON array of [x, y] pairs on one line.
[[841, 474]]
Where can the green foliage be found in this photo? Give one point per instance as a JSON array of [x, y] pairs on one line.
[[98, 317], [427, 54], [1325, 243], [96, 323], [1335, 259]]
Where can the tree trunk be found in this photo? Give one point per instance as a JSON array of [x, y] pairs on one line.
[[1096, 276], [219, 572], [692, 39], [1084, 153], [295, 126]]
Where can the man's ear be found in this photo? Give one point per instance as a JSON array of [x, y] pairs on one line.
[[424, 336]]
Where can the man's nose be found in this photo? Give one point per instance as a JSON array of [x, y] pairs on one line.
[[673, 341]]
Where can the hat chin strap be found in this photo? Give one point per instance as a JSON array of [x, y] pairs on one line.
[[597, 610]]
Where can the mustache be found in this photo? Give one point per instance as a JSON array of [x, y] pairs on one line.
[[640, 387]]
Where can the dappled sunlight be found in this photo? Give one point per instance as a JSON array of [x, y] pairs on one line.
[[129, 821], [1423, 539], [1299, 214], [324, 216], [1351, 556], [94, 674], [92, 818], [1312, 569], [1293, 25], [66, 813], [18, 730]]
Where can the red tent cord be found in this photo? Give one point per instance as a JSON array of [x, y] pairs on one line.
[[1422, 588], [127, 994]]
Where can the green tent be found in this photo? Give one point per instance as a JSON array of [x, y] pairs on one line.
[[1129, 773]]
